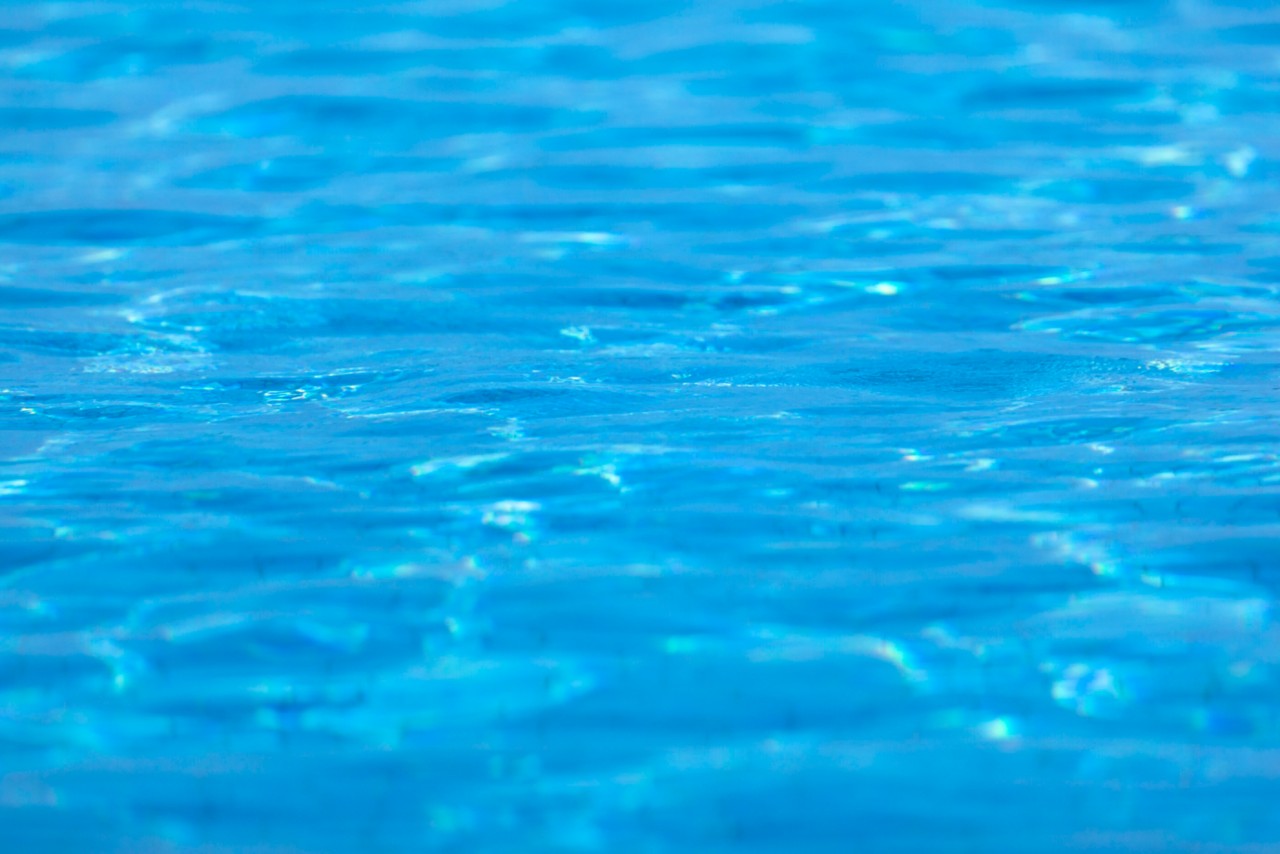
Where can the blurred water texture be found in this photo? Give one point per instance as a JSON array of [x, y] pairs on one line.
[[702, 426]]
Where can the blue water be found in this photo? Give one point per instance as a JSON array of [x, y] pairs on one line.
[[713, 426]]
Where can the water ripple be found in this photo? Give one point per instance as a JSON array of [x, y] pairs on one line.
[[715, 426]]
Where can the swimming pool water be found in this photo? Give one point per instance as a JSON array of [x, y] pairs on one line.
[[675, 426]]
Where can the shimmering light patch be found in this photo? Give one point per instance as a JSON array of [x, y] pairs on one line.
[[924, 486], [1186, 366], [124, 665], [103, 256], [607, 472], [200, 627], [1165, 155], [682, 645], [893, 653], [578, 333], [1074, 549], [991, 512], [587, 238], [457, 572], [512, 515], [463, 463], [1087, 690], [1239, 160], [780, 646], [946, 638], [998, 729]]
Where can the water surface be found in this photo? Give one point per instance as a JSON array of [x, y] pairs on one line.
[[563, 426]]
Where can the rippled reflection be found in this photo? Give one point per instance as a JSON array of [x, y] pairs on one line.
[[718, 426]]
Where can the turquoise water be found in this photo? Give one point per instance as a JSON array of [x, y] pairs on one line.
[[639, 427]]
